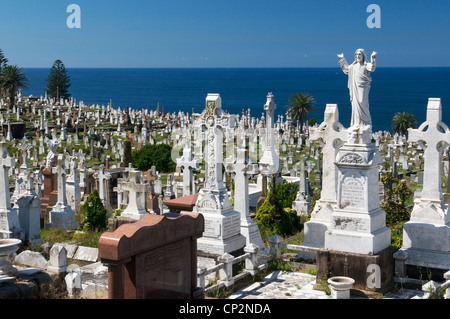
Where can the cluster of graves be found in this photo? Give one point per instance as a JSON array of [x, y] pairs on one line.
[[347, 227]]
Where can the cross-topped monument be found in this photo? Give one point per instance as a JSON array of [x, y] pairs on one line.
[[188, 163], [330, 134], [62, 215], [222, 222], [102, 176], [137, 193], [426, 236], [243, 169], [9, 222], [436, 137]]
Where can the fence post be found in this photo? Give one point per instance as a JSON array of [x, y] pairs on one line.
[[274, 243], [447, 290], [251, 264], [201, 270], [226, 274]]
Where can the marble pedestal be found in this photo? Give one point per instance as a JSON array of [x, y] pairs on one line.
[[358, 224], [222, 232]]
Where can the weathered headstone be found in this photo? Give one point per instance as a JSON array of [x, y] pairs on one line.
[[331, 135], [62, 215], [9, 221], [426, 236], [222, 223], [188, 164]]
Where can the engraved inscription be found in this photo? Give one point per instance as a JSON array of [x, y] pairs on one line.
[[352, 193]]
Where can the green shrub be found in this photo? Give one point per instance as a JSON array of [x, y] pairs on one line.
[[94, 213], [396, 196], [271, 215], [158, 155]]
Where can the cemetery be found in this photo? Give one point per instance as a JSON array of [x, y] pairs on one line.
[[345, 211]]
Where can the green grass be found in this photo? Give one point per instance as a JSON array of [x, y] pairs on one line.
[[58, 235]]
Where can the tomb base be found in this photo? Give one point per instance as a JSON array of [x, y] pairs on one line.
[[220, 246], [419, 238], [250, 230], [9, 225], [315, 229], [370, 272], [358, 233], [62, 219]]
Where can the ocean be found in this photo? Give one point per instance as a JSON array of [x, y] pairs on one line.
[[393, 89]]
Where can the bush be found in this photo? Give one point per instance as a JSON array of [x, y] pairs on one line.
[[395, 198], [158, 155], [272, 216], [94, 213]]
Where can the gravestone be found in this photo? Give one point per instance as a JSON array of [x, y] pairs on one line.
[[358, 224], [242, 169], [9, 221], [331, 135], [188, 164], [62, 215], [153, 258], [302, 202], [222, 223], [136, 189], [426, 236]]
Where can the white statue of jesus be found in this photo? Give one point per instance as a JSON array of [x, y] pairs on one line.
[[359, 80]]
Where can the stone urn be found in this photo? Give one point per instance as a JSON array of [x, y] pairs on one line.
[[8, 248], [340, 287]]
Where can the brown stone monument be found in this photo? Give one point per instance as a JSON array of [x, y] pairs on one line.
[[155, 257]]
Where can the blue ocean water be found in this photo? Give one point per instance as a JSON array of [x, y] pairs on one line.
[[393, 89]]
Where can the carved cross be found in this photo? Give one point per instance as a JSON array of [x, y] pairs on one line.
[[60, 171], [102, 176], [214, 121], [436, 137], [187, 163], [6, 162], [242, 170], [331, 135]]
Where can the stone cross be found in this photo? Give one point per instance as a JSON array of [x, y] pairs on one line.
[[436, 134], [213, 121], [102, 176], [137, 191], [188, 164], [61, 172], [6, 162], [270, 161], [242, 170], [330, 135]]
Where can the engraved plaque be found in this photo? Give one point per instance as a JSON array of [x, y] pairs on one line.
[[352, 193]]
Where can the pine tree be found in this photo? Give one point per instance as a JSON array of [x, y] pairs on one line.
[[58, 81]]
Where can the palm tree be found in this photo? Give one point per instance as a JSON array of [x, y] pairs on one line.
[[299, 106], [3, 60], [3, 63], [402, 121], [11, 79]]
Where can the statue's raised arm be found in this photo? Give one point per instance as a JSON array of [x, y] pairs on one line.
[[371, 66], [343, 63]]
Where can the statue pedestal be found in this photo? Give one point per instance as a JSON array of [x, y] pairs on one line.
[[358, 224]]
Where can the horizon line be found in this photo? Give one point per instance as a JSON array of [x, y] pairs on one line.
[[232, 67]]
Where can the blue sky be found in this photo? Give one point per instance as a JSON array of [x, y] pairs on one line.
[[223, 33]]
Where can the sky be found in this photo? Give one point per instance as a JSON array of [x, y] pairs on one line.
[[223, 33]]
